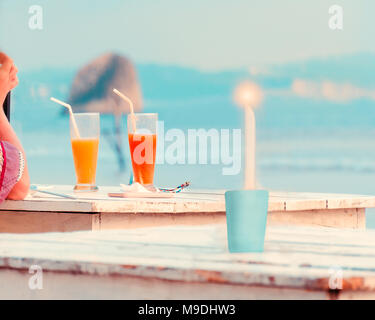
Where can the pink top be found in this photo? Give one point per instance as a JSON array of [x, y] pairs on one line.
[[11, 168]]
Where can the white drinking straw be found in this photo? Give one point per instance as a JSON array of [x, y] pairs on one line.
[[132, 115], [69, 107]]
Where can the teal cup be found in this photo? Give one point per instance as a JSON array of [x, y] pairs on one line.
[[246, 212]]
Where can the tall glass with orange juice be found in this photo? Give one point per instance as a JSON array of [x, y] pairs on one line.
[[85, 144], [142, 143]]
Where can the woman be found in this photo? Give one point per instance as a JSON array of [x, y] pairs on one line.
[[14, 177]]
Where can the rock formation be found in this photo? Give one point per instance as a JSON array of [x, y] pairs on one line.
[[92, 86]]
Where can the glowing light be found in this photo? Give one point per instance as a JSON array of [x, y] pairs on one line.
[[248, 94]]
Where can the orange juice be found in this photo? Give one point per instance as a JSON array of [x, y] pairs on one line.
[[143, 154], [85, 154]]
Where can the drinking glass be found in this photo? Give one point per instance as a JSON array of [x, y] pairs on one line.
[[142, 143], [85, 149]]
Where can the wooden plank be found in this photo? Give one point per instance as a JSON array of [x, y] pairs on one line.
[[332, 210], [189, 201], [141, 220], [159, 206], [23, 222], [47, 205], [35, 222], [85, 286], [295, 201], [337, 218], [343, 218], [294, 258]]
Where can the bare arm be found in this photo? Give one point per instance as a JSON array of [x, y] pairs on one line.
[[8, 81]]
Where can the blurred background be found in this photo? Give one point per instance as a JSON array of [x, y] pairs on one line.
[[183, 59]]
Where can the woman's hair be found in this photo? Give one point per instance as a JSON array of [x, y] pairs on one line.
[[6, 106]]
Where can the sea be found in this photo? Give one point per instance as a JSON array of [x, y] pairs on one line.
[[303, 144]]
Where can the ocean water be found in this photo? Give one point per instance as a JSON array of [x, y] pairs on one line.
[[302, 144]]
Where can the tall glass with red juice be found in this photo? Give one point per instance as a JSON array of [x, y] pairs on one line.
[[142, 143]]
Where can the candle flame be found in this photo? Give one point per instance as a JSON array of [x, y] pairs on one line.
[[248, 94]]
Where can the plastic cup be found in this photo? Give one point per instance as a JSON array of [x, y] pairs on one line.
[[246, 212]]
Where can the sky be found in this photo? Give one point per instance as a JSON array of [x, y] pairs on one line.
[[204, 34]]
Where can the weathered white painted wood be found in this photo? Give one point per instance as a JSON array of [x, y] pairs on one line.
[[35, 222], [140, 220], [294, 258], [337, 218], [59, 286], [190, 207], [189, 201]]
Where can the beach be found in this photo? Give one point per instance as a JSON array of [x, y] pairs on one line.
[[271, 101], [319, 147]]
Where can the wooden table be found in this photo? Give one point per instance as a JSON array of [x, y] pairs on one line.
[[188, 262], [96, 211]]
